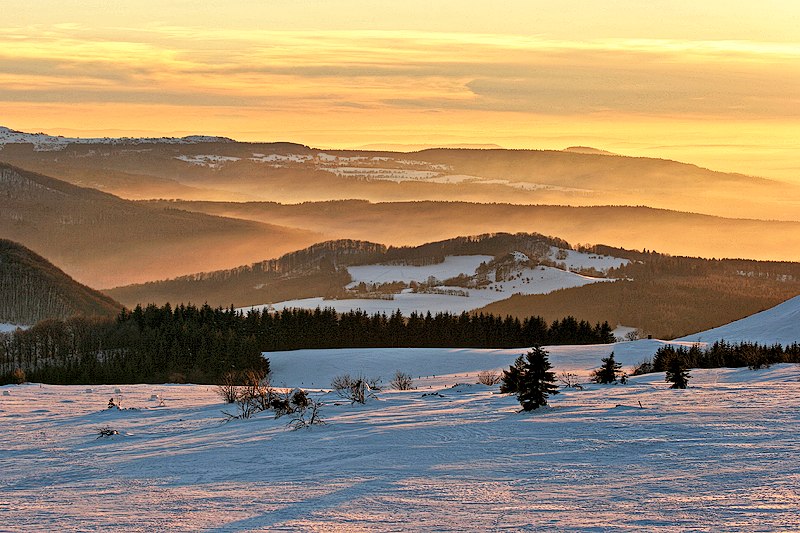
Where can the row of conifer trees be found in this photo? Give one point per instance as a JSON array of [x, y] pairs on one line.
[[199, 344]]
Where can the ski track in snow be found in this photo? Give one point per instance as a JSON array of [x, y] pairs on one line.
[[720, 455]]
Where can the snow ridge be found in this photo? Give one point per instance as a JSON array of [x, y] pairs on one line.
[[45, 142]]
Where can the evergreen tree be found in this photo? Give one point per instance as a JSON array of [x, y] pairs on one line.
[[677, 373], [609, 371], [530, 378]]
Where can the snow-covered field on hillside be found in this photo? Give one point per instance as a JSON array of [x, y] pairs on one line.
[[518, 278], [536, 281], [719, 456], [451, 267], [539, 280]]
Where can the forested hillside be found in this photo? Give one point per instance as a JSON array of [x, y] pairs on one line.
[[33, 289], [666, 296]]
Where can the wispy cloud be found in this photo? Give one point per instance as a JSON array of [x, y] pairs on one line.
[[369, 69], [351, 87]]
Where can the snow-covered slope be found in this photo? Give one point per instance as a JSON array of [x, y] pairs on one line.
[[780, 324], [43, 141], [719, 456]]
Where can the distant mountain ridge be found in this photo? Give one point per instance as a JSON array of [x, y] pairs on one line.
[[211, 168], [44, 141], [33, 289]]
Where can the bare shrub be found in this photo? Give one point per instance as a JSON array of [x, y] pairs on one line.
[[342, 383], [106, 431], [308, 416], [570, 380], [402, 381], [644, 367], [299, 399], [289, 402], [374, 383], [18, 376], [354, 389], [228, 388], [252, 394], [489, 377], [634, 335]]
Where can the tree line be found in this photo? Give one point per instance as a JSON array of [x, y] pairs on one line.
[[199, 344], [723, 354]]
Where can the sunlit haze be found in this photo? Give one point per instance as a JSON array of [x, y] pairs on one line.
[[713, 83]]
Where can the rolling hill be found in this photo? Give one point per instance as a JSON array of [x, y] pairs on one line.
[[319, 270], [103, 240], [219, 169], [33, 289]]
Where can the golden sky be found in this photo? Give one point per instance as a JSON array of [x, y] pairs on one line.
[[711, 82]]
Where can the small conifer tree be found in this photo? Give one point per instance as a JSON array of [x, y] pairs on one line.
[[531, 379], [677, 373], [609, 372]]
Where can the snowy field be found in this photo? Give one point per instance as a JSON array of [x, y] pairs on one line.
[[438, 367], [719, 456], [452, 266], [539, 280]]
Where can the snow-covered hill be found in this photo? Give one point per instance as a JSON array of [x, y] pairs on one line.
[[780, 324], [44, 142]]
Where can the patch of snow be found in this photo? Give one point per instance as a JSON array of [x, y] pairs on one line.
[[6, 327], [212, 161], [580, 260], [451, 267], [397, 175], [620, 331], [279, 158]]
